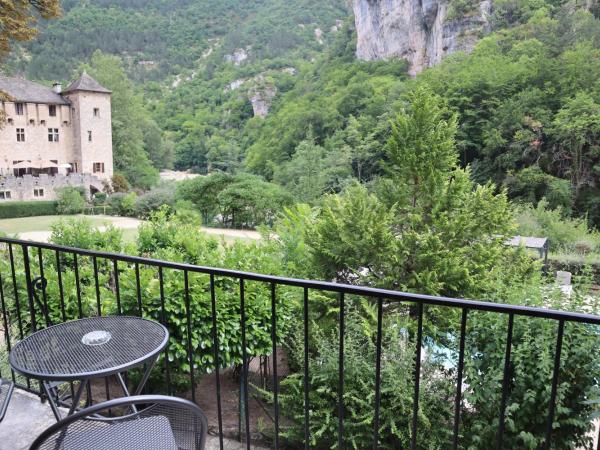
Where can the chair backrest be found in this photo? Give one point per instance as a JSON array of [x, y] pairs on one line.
[[139, 422]]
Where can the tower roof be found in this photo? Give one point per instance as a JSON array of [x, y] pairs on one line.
[[21, 90], [86, 83]]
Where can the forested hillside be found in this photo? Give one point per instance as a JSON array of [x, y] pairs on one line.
[[274, 88], [157, 38]]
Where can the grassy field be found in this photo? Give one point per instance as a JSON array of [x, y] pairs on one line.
[[41, 223], [38, 228]]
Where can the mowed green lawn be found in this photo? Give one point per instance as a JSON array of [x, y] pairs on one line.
[[40, 223], [40, 227]]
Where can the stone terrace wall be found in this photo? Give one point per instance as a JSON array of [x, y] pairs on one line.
[[21, 188]]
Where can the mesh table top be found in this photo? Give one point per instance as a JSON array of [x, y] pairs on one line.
[[88, 348]]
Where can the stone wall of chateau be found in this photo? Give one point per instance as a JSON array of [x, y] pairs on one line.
[[36, 121], [22, 188], [99, 148], [84, 142]]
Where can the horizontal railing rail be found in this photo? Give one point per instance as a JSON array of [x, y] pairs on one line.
[[34, 313]]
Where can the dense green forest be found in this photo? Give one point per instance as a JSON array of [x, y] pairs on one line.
[[193, 72]]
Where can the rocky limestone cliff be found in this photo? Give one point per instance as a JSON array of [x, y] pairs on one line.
[[420, 31], [261, 98]]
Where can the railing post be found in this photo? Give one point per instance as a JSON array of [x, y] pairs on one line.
[[27, 267]]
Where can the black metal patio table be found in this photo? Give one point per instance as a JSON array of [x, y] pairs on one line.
[[85, 349]]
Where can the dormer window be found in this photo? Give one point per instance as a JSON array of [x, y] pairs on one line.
[[19, 108], [52, 110]]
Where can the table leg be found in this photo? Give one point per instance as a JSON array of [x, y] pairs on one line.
[[149, 367], [125, 390], [51, 401], [77, 397]]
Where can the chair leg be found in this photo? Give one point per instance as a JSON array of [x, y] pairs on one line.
[[6, 390]]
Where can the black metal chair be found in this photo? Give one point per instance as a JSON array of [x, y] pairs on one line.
[[6, 389], [145, 422]]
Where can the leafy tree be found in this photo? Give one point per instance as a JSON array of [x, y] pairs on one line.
[[128, 120], [429, 228], [17, 19], [312, 171], [119, 183], [203, 192], [576, 128], [250, 201], [421, 151]]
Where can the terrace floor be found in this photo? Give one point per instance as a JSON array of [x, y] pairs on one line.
[[27, 417]]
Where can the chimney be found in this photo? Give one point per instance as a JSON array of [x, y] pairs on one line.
[[57, 87]]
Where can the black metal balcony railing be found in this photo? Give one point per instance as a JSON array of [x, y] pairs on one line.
[[32, 314]]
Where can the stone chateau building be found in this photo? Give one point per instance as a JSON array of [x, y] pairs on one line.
[[52, 138]]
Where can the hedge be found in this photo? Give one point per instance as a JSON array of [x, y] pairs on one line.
[[575, 265], [10, 210]]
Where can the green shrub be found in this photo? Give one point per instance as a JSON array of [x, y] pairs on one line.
[[397, 388], [99, 210], [28, 209], [119, 183], [99, 198], [123, 204], [564, 233], [151, 201], [70, 200]]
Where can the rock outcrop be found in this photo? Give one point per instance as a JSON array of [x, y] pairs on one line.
[[261, 96], [420, 31], [239, 55]]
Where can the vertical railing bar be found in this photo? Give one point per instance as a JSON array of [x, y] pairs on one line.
[[27, 267], [275, 378], [117, 286], [306, 380], [77, 285], [378, 373], [97, 286], [189, 331], [163, 320], [459, 378], [505, 381], [419, 343], [341, 374], [43, 280], [245, 363], [6, 324], [16, 292], [61, 291], [99, 312], [17, 301], [139, 288], [215, 336], [61, 300], [555, 373]]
